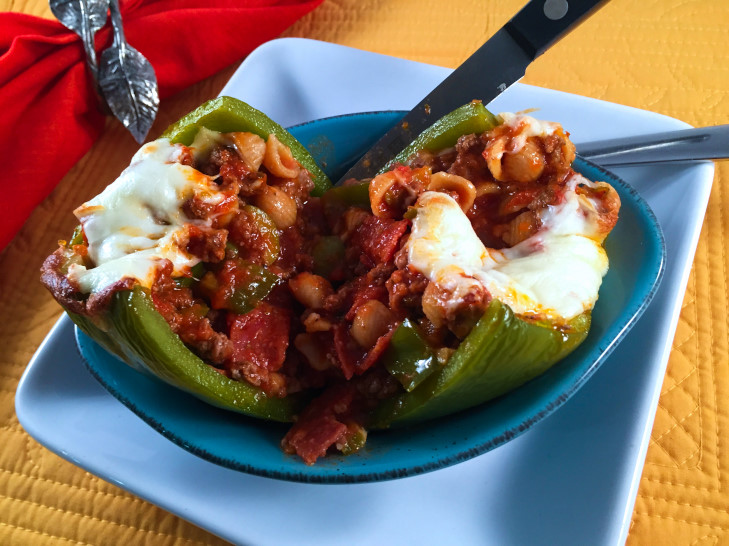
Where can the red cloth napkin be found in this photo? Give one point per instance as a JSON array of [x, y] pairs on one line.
[[49, 113]]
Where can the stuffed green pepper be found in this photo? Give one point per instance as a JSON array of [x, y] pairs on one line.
[[181, 264], [221, 262], [471, 264]]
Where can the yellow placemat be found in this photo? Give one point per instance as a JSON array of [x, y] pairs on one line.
[[668, 56]]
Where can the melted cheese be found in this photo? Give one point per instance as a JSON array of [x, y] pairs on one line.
[[525, 127], [555, 273], [137, 220]]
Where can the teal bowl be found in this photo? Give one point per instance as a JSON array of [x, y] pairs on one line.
[[636, 251]]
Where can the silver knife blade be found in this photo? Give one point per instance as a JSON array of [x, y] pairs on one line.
[[496, 65]]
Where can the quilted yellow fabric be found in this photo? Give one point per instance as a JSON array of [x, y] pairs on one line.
[[669, 56]]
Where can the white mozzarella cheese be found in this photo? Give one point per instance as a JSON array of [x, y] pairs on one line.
[[136, 221], [555, 273], [524, 127]]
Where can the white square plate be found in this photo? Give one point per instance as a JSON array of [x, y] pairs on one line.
[[572, 479]]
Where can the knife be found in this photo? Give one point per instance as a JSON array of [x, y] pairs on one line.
[[497, 64]]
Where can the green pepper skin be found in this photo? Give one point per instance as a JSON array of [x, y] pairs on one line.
[[444, 133], [408, 358], [227, 115], [260, 281], [141, 337], [267, 232], [501, 353], [352, 195]]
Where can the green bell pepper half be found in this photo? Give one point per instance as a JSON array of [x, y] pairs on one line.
[[136, 333], [501, 352], [227, 115]]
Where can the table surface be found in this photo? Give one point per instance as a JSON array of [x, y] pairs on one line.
[[668, 56]]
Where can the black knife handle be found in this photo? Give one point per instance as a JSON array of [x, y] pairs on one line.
[[541, 23]]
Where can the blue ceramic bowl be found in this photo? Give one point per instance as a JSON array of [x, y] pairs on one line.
[[636, 251]]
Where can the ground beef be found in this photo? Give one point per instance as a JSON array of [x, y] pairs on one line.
[[405, 288], [439, 162], [235, 174], [294, 256], [187, 316], [245, 233], [205, 243], [559, 154], [469, 162]]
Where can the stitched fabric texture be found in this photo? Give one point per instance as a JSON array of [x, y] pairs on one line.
[[668, 56]]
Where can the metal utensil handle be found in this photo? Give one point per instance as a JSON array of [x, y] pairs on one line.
[[681, 145]]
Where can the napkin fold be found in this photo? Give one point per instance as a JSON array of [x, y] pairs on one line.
[[49, 112]]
